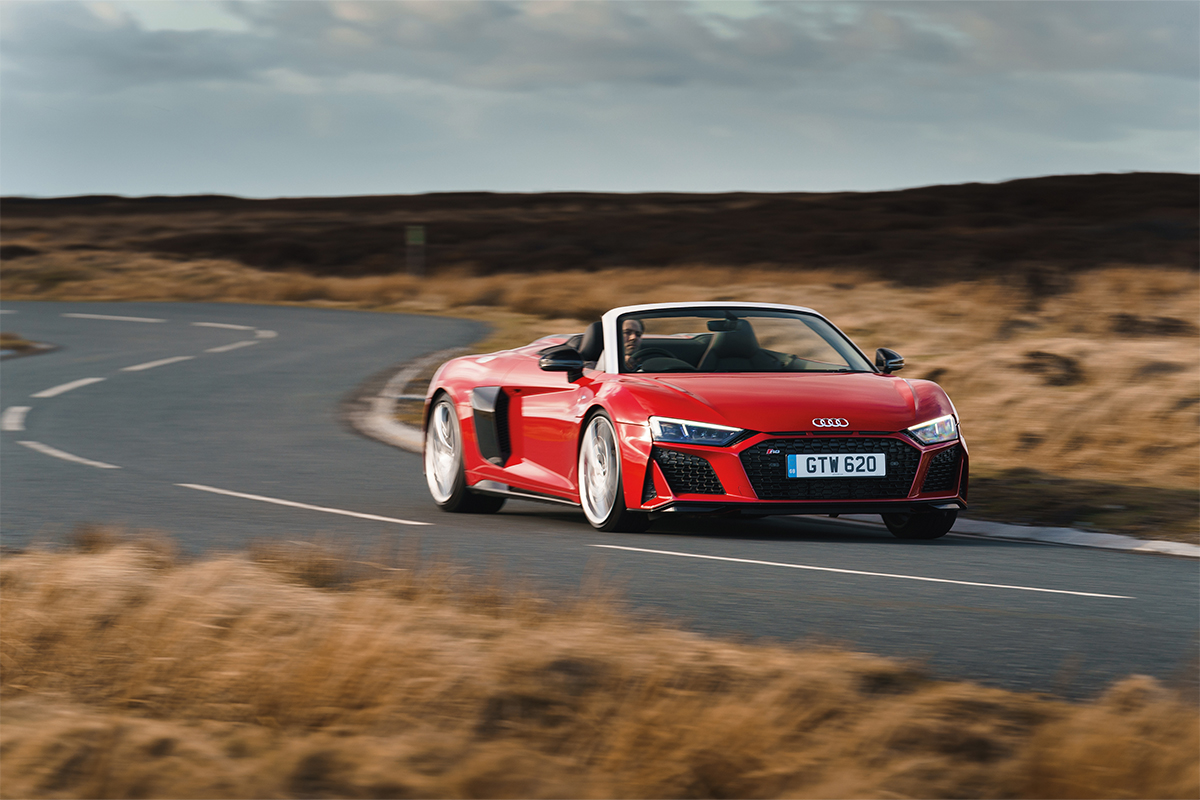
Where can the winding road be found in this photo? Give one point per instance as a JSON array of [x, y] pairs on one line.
[[221, 425]]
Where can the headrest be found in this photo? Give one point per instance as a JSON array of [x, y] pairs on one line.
[[592, 344], [737, 343]]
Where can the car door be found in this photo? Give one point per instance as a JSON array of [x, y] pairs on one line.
[[545, 410]]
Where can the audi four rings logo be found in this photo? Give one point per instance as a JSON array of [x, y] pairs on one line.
[[836, 422]]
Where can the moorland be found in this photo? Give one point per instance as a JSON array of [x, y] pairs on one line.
[[1060, 313]]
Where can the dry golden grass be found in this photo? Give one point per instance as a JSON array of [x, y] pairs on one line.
[[1098, 381], [125, 672], [15, 343]]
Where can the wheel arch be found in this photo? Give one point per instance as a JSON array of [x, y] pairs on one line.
[[592, 410], [635, 456], [466, 424], [433, 398], [623, 517]]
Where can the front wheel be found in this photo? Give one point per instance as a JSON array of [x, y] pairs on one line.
[[928, 525], [444, 464], [600, 489]]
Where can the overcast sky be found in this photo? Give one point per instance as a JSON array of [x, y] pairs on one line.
[[265, 99]]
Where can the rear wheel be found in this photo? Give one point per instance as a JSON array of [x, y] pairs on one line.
[[600, 489], [926, 525], [444, 464]]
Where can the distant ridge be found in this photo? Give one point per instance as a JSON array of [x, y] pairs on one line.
[[1028, 227]]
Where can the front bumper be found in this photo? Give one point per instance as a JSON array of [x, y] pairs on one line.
[[750, 476], [760, 509]]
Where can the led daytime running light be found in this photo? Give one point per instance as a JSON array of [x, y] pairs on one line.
[[942, 429], [682, 431]]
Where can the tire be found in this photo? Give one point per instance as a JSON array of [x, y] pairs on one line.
[[444, 464], [928, 525], [601, 493]]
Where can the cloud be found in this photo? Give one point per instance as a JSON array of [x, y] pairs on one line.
[[1152, 38], [530, 46], [64, 47], [327, 97]]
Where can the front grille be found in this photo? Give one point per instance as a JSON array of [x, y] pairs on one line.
[[768, 471], [943, 470], [687, 473]]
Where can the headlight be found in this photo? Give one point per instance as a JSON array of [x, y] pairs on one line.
[[680, 431], [942, 429]]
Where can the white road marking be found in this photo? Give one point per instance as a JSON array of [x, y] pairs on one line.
[[51, 451], [7, 311], [225, 348], [860, 572], [13, 418], [109, 316], [66, 387], [266, 334], [160, 363], [304, 506], [223, 325]]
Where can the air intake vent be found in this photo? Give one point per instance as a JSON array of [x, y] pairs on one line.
[[686, 473], [490, 407], [943, 470], [648, 491]]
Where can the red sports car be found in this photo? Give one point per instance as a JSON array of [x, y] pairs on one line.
[[697, 408]]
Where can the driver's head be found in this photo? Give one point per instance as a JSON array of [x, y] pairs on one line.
[[631, 334]]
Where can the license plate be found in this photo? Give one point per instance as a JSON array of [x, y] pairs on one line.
[[837, 465]]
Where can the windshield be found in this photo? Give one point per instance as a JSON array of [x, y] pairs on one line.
[[734, 340]]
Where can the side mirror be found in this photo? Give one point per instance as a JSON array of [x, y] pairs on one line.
[[563, 359], [888, 361]]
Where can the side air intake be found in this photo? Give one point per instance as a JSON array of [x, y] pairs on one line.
[[490, 407]]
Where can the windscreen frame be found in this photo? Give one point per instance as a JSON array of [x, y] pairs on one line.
[[836, 338]]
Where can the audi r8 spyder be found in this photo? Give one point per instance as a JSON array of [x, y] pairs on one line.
[[697, 408]]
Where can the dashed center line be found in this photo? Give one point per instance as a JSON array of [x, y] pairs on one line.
[[65, 456], [66, 387], [305, 506], [160, 363], [13, 418], [860, 572], [225, 348], [112, 317], [227, 325]]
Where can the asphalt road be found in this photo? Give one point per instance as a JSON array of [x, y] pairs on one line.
[[215, 421]]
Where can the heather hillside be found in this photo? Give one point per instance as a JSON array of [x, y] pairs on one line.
[[1035, 229]]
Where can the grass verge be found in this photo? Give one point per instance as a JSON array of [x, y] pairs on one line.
[[297, 670], [1031, 497], [15, 344]]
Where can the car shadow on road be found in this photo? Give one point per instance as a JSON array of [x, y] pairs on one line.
[[792, 528]]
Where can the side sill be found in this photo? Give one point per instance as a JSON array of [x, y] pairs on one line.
[[502, 490]]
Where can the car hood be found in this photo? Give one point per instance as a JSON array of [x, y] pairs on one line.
[[790, 402]]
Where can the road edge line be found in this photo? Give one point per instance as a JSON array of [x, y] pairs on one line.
[[379, 421]]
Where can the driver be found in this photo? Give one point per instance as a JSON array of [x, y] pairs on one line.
[[631, 340]]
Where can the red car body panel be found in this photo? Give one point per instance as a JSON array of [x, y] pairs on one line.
[[544, 412]]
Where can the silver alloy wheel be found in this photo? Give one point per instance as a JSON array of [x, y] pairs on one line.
[[442, 455], [599, 471]]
